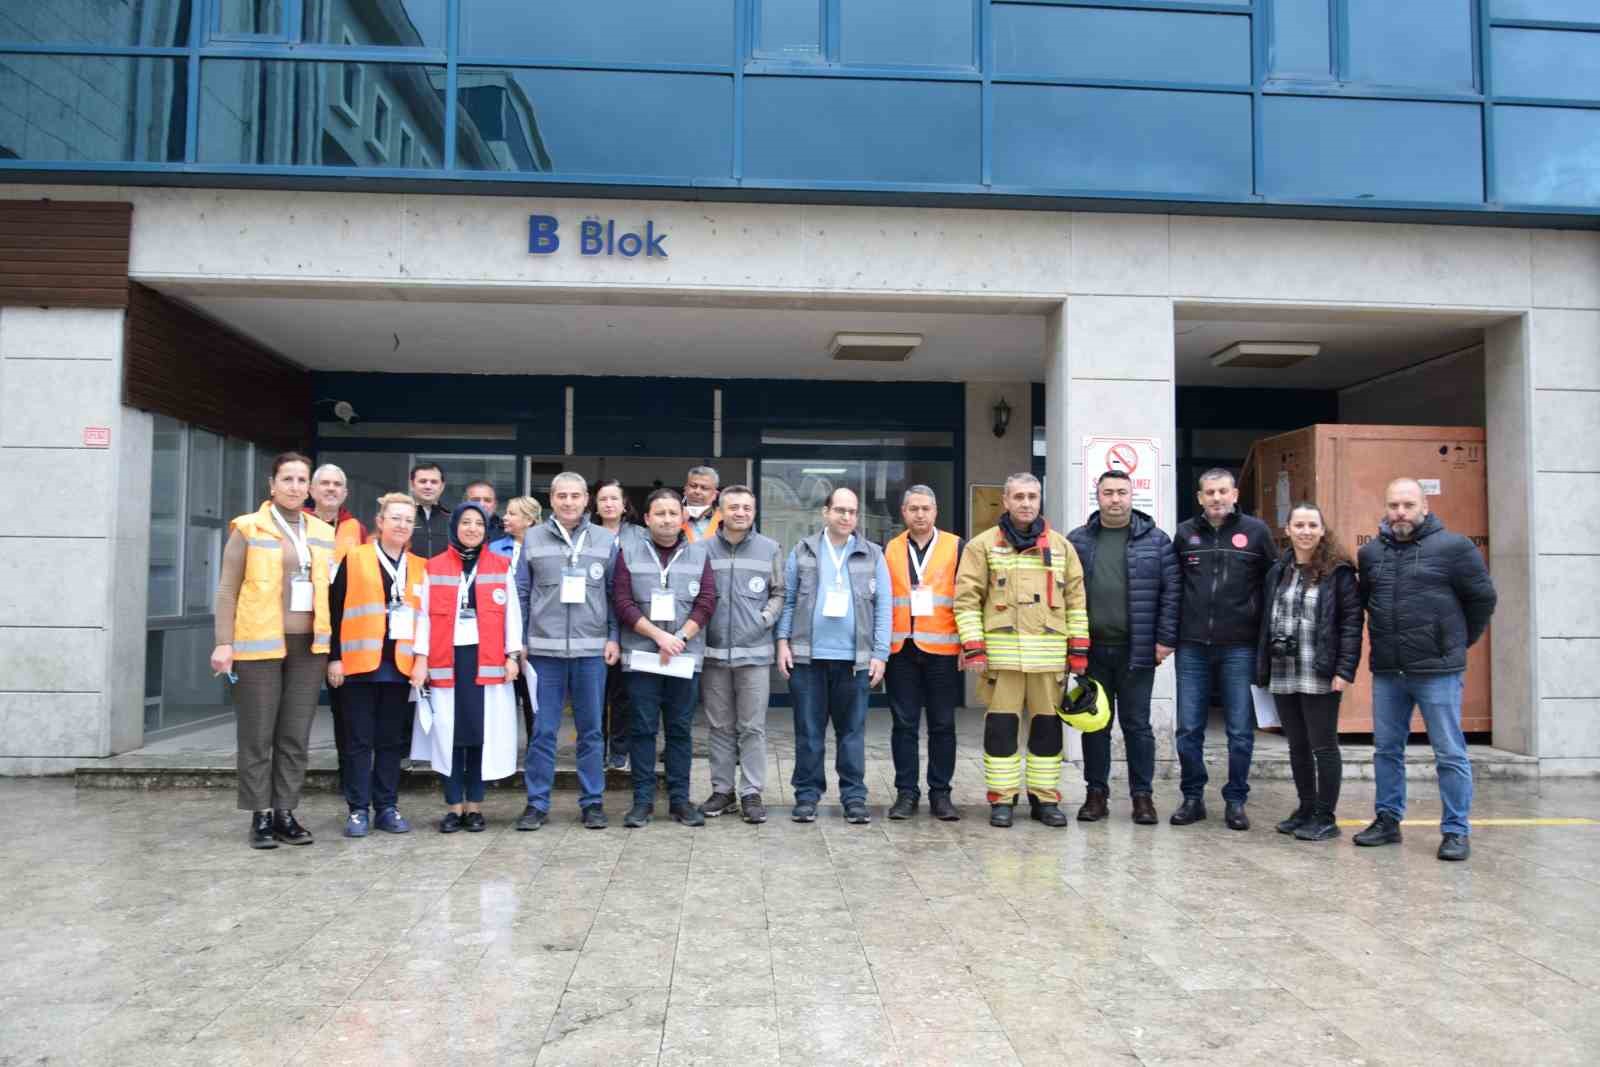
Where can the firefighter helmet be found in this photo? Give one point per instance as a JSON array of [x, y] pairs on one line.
[[1084, 705]]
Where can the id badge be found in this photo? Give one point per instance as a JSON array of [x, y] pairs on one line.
[[921, 601], [574, 590], [466, 630], [836, 604], [402, 623], [662, 606], [301, 596]]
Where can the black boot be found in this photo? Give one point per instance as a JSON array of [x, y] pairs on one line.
[[1320, 826], [1384, 830], [1192, 810], [288, 830], [1047, 812], [940, 807], [1297, 818], [261, 831], [904, 806], [1234, 818], [1000, 815]]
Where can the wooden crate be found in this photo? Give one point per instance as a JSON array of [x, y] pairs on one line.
[[1345, 469]]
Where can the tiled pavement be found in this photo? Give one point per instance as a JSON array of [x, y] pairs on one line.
[[138, 928]]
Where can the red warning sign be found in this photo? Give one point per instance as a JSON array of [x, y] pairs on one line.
[[1137, 457], [1122, 457]]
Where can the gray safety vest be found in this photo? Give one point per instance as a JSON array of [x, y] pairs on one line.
[[565, 631], [740, 634], [862, 567], [683, 580]]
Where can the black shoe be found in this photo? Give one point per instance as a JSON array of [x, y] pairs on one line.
[[804, 811], [286, 829], [1001, 815], [1048, 812], [1297, 818], [1144, 810], [261, 831], [1234, 818], [451, 823], [940, 808], [904, 806], [473, 822], [856, 813], [1094, 807], [531, 819], [687, 813], [1384, 830], [754, 811], [1319, 826], [1454, 847], [1192, 810], [638, 816], [717, 803], [594, 817]]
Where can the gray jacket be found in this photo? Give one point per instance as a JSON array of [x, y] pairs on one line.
[[566, 631], [644, 568], [749, 600], [862, 565]]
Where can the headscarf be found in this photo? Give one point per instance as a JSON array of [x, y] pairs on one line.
[[469, 556]]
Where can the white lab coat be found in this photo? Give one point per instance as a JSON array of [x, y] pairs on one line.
[[436, 744]]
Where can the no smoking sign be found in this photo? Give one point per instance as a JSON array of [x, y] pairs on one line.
[[1137, 457]]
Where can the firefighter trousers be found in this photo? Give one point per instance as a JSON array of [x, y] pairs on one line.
[[1022, 715]]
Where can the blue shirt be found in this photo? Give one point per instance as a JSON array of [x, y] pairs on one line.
[[835, 638]]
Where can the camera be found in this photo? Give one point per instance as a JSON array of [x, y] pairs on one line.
[[1286, 646]]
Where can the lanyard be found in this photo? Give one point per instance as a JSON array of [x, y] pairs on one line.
[[668, 565], [396, 579], [297, 537], [918, 565], [466, 587], [577, 549], [838, 560]]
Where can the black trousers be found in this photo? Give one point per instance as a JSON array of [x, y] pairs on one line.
[[917, 680], [618, 725], [524, 703], [1311, 723], [376, 716]]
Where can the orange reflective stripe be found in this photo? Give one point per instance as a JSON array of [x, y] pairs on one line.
[[935, 634]]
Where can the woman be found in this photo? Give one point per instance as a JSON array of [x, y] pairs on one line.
[[467, 651], [272, 632], [522, 515], [1306, 656], [374, 602], [614, 511]]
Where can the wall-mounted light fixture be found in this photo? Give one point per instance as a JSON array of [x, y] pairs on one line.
[[1002, 417]]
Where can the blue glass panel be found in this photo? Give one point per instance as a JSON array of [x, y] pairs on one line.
[[596, 122], [1550, 10], [879, 33], [1105, 43], [1320, 149], [402, 23], [789, 29], [604, 31], [92, 108], [1418, 42], [1547, 63], [1546, 155], [1122, 140], [841, 129], [281, 113], [250, 18], [1300, 42], [153, 23]]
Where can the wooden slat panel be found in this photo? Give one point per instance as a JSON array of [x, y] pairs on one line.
[[64, 253]]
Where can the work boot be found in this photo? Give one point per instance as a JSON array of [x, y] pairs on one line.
[[1454, 847], [594, 817], [1319, 826], [1297, 818], [261, 831], [904, 806], [288, 830], [1192, 810], [1144, 810], [717, 803], [1384, 830], [940, 808], [638, 815], [686, 813], [1001, 814], [1094, 807], [531, 818], [755, 811], [1047, 812], [1233, 816]]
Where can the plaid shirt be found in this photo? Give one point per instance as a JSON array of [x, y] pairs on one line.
[[1293, 674]]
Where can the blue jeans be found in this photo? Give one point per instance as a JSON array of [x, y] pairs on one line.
[[1439, 697], [829, 690], [1128, 689], [1235, 666], [584, 680], [657, 699]]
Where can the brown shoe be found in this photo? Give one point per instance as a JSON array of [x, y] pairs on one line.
[[1094, 806], [1144, 810]]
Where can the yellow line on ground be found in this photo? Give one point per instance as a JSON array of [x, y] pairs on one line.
[[1489, 822]]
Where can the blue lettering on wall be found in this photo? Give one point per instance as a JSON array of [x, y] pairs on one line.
[[597, 238], [542, 239]]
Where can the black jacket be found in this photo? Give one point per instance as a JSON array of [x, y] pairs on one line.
[[431, 535], [1222, 573], [1152, 584], [1427, 599], [1338, 622]]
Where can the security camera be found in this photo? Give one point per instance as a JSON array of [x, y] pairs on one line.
[[344, 412]]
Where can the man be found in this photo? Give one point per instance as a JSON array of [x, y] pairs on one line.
[[1223, 557], [564, 583], [1428, 598], [483, 495], [432, 533], [329, 490], [833, 641], [924, 654], [663, 593], [1024, 624], [701, 517], [1131, 579], [737, 678]]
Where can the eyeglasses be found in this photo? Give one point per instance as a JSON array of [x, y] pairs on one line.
[[844, 512]]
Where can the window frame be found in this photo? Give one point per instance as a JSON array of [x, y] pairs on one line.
[[352, 110], [382, 110], [288, 25]]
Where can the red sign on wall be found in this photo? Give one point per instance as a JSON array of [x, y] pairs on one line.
[[97, 437]]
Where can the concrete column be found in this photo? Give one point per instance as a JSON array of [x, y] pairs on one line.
[[73, 543]]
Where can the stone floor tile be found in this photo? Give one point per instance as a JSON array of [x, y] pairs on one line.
[[849, 1030], [711, 1036]]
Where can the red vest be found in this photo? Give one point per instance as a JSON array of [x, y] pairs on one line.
[[491, 592]]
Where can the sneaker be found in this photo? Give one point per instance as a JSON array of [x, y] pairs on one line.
[[532, 818], [286, 829], [856, 813], [638, 816], [718, 803], [594, 817], [1297, 818], [1384, 830], [451, 823], [804, 811], [473, 822], [686, 813], [356, 824], [904, 806], [752, 807], [390, 821], [1320, 825], [1454, 847], [261, 831], [618, 761]]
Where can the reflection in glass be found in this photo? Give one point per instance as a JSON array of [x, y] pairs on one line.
[[368, 23], [319, 114], [615, 31], [92, 108], [149, 23], [166, 497], [794, 490], [250, 18], [789, 29]]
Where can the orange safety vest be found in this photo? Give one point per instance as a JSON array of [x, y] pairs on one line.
[[347, 533], [493, 592], [366, 610], [258, 618], [711, 528], [935, 634]]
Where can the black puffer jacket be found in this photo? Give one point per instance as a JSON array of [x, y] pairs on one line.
[[1338, 622], [1152, 584], [1222, 569], [1427, 599]]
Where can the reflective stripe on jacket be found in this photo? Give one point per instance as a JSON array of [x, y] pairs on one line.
[[365, 624], [862, 566], [935, 634], [749, 600], [258, 619], [1022, 611], [683, 580], [443, 594], [566, 631]]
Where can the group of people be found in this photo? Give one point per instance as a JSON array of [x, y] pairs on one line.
[[635, 624]]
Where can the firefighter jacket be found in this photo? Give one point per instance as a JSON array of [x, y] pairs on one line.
[[1024, 611]]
